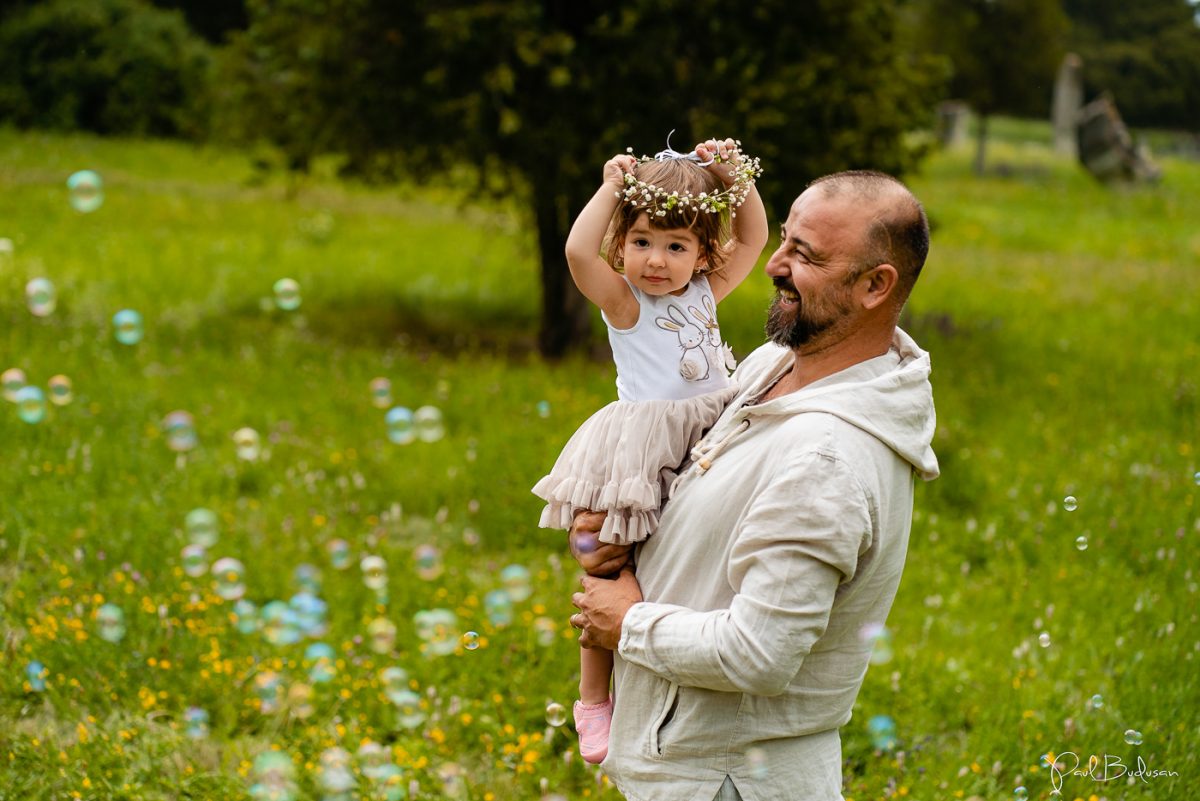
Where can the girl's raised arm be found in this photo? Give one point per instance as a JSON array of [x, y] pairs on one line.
[[593, 275], [749, 224]]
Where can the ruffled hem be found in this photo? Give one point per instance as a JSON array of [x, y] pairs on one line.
[[622, 461]]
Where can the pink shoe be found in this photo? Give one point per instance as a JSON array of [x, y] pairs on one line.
[[593, 721]]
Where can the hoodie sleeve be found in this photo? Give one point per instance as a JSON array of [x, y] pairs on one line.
[[800, 541]]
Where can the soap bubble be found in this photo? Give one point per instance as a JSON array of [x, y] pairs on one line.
[[543, 408], [60, 390], [1196, 478], [1097, 701], [194, 559], [409, 714], [427, 422], [36, 673], [1133, 737], [498, 607], [1044, 639], [229, 578], [246, 618], [1081, 543], [400, 425], [756, 763], [41, 297], [110, 623], [280, 623], [13, 380], [879, 640], [429, 561], [547, 631], [299, 701], [307, 577], [195, 721], [202, 528], [309, 613], [389, 783], [274, 773], [336, 772], [180, 431], [85, 191], [438, 628], [882, 730], [1020, 794], [556, 713], [470, 640], [339, 554], [515, 579], [381, 393], [268, 687], [1070, 503], [323, 661], [248, 444], [382, 634], [31, 404], [371, 758], [127, 327], [374, 571], [287, 294], [394, 681], [453, 784]]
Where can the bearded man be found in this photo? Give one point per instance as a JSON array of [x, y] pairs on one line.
[[739, 644]]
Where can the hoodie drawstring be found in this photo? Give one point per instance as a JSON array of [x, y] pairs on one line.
[[703, 454]]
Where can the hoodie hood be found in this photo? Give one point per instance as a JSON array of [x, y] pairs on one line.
[[889, 397]]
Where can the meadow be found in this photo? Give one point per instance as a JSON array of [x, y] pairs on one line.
[[1049, 604]]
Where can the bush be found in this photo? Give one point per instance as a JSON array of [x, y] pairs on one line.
[[108, 66]]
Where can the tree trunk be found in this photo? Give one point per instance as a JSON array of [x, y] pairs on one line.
[[981, 144], [566, 315]]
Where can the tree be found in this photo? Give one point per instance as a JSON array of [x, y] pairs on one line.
[[1004, 54], [536, 94], [1147, 54]]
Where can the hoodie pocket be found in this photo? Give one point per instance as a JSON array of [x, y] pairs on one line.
[[666, 714]]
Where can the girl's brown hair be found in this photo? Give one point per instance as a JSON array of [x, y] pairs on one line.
[[674, 175]]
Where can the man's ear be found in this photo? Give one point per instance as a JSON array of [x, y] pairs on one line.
[[877, 285]]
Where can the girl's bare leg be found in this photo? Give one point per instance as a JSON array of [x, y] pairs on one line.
[[595, 672]]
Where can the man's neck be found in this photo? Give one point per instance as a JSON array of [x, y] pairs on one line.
[[810, 366]]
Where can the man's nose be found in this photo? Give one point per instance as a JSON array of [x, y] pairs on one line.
[[776, 265]]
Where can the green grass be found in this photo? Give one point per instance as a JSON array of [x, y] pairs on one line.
[[1064, 323]]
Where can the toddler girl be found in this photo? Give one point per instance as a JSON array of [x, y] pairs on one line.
[[673, 248]]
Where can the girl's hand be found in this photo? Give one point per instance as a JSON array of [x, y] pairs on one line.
[[615, 169], [595, 557], [726, 157]]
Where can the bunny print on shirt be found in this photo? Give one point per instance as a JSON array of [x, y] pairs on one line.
[[700, 341]]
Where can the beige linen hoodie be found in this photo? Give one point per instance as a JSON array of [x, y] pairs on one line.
[[746, 656]]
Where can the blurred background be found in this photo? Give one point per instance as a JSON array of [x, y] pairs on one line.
[[287, 335]]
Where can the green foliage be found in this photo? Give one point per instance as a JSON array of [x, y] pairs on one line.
[[536, 96], [1147, 54], [1004, 52], [109, 66], [1061, 321]]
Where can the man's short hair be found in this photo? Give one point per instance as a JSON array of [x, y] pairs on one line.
[[899, 234]]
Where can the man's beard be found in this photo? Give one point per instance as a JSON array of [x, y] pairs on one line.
[[808, 321]]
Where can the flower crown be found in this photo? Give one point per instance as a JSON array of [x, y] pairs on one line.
[[658, 201]]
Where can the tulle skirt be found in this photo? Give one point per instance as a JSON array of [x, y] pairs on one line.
[[622, 461]]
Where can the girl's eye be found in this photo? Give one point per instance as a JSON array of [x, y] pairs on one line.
[[641, 243], [676, 247]]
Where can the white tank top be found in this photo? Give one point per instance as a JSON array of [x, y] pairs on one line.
[[674, 350]]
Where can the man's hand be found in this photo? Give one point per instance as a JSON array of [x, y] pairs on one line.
[[595, 557], [602, 607]]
